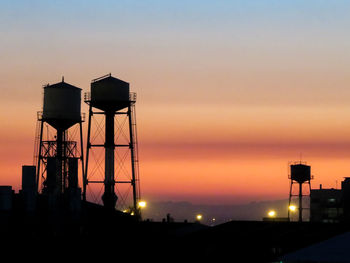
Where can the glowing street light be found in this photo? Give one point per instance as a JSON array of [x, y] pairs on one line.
[[199, 217], [292, 208], [142, 204], [271, 213]]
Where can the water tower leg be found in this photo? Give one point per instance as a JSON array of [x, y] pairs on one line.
[[82, 152], [88, 146], [109, 198], [39, 156], [132, 154], [300, 202], [59, 160]]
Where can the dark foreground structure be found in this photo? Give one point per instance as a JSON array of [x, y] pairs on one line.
[[103, 235]]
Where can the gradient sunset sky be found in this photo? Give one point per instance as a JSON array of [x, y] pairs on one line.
[[228, 92]]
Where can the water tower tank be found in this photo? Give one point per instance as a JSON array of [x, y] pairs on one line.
[[109, 93], [300, 172], [62, 105]]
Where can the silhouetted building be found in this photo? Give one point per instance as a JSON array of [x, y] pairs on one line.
[[326, 205], [275, 219], [29, 190], [331, 205], [6, 197], [345, 186]]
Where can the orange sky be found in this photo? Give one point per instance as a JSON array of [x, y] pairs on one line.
[[228, 92], [214, 154]]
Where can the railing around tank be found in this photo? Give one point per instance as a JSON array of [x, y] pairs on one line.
[[40, 116], [132, 96], [87, 96], [311, 177]]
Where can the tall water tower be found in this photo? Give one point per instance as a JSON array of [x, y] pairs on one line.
[[300, 174], [110, 99], [57, 155]]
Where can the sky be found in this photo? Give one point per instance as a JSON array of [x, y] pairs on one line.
[[229, 92]]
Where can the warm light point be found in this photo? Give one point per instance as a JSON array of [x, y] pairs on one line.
[[292, 208], [271, 213], [199, 217], [142, 204]]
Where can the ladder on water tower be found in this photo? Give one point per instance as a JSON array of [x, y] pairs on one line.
[[36, 142], [135, 161]]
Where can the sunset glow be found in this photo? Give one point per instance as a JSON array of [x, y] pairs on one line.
[[228, 93]]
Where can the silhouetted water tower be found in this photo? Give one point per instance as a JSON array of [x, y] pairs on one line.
[[57, 157], [111, 97], [299, 174]]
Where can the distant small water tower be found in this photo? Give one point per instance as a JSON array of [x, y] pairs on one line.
[[56, 155], [300, 174], [110, 99]]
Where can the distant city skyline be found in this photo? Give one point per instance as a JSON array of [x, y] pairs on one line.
[[228, 92]]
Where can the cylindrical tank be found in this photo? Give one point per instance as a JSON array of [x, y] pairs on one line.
[[73, 173], [51, 174], [300, 172], [5, 198], [109, 93], [62, 104], [28, 191], [28, 178]]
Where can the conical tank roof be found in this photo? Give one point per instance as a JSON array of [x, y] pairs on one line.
[[109, 93]]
